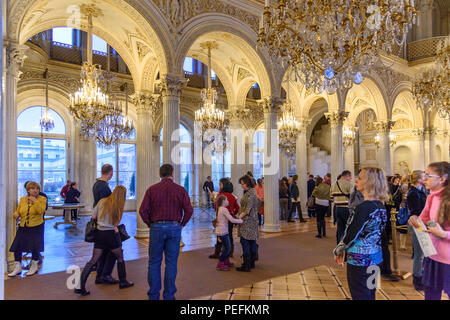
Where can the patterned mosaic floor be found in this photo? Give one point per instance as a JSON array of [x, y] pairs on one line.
[[319, 283]]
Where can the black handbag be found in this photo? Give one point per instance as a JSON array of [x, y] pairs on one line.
[[123, 233], [91, 231]]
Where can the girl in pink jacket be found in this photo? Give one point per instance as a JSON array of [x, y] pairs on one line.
[[436, 216]]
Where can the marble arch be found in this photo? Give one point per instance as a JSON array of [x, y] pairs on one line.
[[236, 52], [118, 23], [367, 95], [405, 102]]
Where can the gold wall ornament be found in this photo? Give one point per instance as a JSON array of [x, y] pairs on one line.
[[431, 88], [333, 44]]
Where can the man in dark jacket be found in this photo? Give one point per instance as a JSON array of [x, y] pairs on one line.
[[208, 187], [311, 184], [295, 196]]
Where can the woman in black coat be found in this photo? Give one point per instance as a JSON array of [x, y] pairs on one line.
[[416, 200]]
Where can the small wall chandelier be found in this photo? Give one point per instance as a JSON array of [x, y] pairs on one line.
[[392, 140], [89, 103], [431, 88], [348, 137], [209, 116], [333, 44], [46, 122]]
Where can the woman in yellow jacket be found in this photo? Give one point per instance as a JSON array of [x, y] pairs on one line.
[[30, 235]]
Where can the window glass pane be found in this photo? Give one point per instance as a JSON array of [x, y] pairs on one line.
[[28, 162], [28, 121], [258, 168], [160, 156], [161, 135], [62, 35], [186, 168], [185, 136], [188, 65], [217, 169], [227, 165], [259, 140], [107, 156], [213, 75], [98, 44], [127, 168], [54, 167]]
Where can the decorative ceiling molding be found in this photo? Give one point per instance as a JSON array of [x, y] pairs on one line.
[[180, 11]]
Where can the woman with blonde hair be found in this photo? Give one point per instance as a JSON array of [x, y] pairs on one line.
[[108, 214], [362, 237], [30, 235]]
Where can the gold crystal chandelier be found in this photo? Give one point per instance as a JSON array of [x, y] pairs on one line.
[[114, 126], [46, 122], [209, 116], [89, 103], [431, 88], [288, 127], [333, 43]]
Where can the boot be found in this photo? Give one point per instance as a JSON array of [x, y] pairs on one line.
[[17, 269], [319, 231], [221, 266], [123, 283], [245, 265], [33, 268], [228, 263], [417, 282], [83, 278], [217, 249], [402, 241]]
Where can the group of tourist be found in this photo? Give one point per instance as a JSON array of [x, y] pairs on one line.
[[361, 212]]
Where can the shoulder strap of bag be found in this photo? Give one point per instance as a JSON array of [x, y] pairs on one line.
[[347, 195]]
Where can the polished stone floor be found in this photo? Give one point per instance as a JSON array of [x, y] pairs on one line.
[[65, 246], [318, 283]]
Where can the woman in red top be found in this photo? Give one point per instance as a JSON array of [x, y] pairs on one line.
[[226, 189]]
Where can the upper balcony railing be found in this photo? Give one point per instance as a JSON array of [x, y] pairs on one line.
[[423, 48]]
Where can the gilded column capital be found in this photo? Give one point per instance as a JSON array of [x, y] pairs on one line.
[[384, 126], [336, 118], [147, 103], [171, 86], [15, 57], [304, 123], [270, 104], [418, 132]]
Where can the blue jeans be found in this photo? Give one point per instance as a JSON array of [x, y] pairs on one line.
[[418, 254], [341, 215], [226, 247], [164, 237]]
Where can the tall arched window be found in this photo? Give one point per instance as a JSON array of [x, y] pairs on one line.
[[122, 157], [220, 167], [41, 156], [258, 154], [186, 168]]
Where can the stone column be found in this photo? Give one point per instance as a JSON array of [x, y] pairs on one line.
[[419, 161], [384, 130], [271, 165], [14, 58], [170, 88], [238, 151], [336, 120], [145, 105], [430, 144], [302, 163], [445, 150], [86, 168], [3, 174]]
